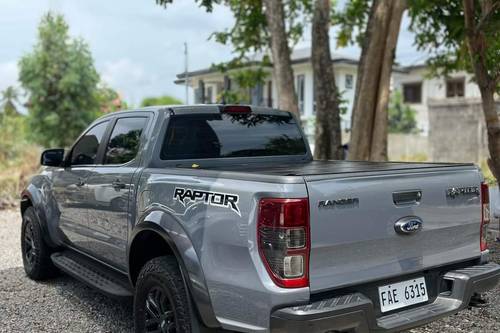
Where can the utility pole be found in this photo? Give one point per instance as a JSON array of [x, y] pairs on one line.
[[186, 75]]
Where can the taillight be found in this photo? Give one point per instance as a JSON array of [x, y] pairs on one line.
[[284, 241], [485, 215]]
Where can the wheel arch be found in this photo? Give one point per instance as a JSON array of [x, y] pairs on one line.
[[167, 237], [31, 197]]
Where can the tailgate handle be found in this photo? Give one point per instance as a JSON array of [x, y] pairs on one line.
[[403, 198]]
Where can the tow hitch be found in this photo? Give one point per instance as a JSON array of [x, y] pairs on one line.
[[478, 301]]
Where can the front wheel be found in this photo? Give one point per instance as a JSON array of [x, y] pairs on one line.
[[161, 301], [36, 253]]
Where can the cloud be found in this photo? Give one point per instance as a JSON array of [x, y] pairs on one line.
[[8, 74], [126, 76]]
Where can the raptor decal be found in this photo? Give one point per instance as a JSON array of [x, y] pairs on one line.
[[187, 195]]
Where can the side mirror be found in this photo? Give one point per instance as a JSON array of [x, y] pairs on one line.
[[52, 157]]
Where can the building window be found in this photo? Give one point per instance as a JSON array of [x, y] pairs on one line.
[[348, 81], [412, 92], [301, 91], [209, 95], [455, 87]]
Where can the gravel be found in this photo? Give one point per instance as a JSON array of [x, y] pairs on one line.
[[59, 305], [66, 305]]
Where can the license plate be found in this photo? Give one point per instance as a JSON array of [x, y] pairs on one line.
[[399, 295]]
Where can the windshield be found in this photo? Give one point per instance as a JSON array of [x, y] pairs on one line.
[[231, 135]]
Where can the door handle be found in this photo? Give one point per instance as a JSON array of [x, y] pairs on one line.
[[80, 182], [403, 198], [118, 185]]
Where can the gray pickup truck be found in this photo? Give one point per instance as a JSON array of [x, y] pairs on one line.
[[216, 217]]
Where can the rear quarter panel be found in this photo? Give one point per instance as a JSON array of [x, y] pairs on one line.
[[241, 292]]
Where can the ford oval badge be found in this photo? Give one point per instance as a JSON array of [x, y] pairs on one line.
[[408, 225]]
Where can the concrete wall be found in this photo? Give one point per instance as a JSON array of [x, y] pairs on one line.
[[457, 130], [408, 147]]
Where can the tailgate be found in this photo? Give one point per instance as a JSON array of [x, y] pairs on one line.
[[353, 234]]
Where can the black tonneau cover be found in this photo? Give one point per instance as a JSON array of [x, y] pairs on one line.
[[313, 168]]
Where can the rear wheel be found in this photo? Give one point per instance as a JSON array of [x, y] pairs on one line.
[[161, 301], [36, 253]]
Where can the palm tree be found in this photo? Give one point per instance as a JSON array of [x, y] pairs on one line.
[[9, 98]]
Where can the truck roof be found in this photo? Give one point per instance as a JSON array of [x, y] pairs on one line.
[[203, 108]]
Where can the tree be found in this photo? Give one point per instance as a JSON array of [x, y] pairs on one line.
[[328, 139], [109, 99], [61, 82], [402, 118], [9, 98], [160, 100], [465, 35], [282, 62], [379, 39], [260, 27]]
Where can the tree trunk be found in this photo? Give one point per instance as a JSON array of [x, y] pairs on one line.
[[328, 140], [378, 151], [477, 46], [369, 121], [282, 63]]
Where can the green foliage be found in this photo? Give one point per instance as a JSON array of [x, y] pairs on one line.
[[61, 82], [8, 99], [488, 175], [109, 100], [440, 30], [160, 100], [244, 80], [402, 118], [12, 137], [352, 20]]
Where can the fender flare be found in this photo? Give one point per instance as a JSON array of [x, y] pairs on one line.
[[44, 210], [165, 225]]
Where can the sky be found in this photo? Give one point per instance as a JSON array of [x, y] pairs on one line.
[[138, 46]]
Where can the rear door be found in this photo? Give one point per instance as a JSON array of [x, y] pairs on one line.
[[353, 232], [111, 189], [70, 185]]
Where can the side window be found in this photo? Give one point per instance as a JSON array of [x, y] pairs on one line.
[[85, 150], [125, 140]]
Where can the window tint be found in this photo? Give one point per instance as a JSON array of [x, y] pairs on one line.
[[124, 141], [85, 150], [231, 135]]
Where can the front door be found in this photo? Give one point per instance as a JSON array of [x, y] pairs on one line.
[[71, 189], [111, 189]]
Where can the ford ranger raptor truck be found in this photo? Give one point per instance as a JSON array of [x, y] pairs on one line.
[[216, 217]]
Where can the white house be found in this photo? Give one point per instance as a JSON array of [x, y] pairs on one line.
[[208, 84], [417, 88]]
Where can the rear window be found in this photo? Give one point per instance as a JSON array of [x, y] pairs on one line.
[[231, 135]]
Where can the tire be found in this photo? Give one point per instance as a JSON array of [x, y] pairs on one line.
[[36, 253], [161, 301]]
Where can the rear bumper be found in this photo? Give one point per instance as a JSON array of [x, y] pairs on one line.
[[355, 312]]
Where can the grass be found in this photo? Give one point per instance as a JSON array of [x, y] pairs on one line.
[[15, 174]]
